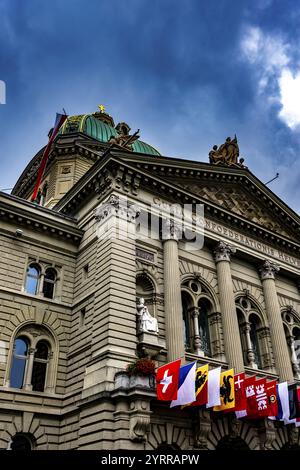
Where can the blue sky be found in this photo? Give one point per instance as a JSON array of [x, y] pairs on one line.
[[188, 73]]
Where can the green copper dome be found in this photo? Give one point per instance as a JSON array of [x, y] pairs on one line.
[[96, 128]]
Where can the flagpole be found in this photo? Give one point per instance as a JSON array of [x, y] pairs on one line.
[[60, 119]]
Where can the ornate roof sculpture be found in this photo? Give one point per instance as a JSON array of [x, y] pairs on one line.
[[226, 154]]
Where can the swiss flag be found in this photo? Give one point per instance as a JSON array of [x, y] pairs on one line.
[[272, 398], [240, 394], [167, 379]]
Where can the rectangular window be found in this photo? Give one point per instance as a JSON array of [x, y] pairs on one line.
[[82, 318], [85, 272]]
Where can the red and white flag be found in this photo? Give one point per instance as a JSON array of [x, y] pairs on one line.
[[240, 396], [167, 380], [257, 398], [60, 119]]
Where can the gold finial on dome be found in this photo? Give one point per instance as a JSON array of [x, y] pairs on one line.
[[102, 108]]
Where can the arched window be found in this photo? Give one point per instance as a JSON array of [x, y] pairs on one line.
[[254, 326], [186, 305], [250, 328], [44, 194], [20, 357], [33, 278], [196, 308], [203, 326], [32, 358], [49, 283], [40, 364], [21, 442], [292, 332]]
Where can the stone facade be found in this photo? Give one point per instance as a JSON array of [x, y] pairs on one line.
[[90, 324]]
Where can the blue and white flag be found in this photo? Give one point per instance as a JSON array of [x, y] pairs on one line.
[[186, 387], [283, 402]]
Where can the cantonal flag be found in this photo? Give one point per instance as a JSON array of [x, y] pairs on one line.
[[186, 387], [213, 391], [240, 395], [227, 395], [257, 398], [201, 389], [272, 398], [167, 380]]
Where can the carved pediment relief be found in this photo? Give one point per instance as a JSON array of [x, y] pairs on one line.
[[239, 201]]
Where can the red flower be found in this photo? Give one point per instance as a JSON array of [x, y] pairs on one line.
[[141, 367]]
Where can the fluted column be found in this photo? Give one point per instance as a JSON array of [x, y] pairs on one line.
[[280, 348], [172, 292], [232, 340]]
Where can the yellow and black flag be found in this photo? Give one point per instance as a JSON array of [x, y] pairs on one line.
[[201, 386], [227, 394]]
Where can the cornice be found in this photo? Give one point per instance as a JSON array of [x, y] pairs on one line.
[[21, 212], [64, 146], [111, 172], [168, 166]]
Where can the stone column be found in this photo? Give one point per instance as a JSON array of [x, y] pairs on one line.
[[250, 353], [280, 348], [197, 340], [28, 372], [232, 340], [172, 292]]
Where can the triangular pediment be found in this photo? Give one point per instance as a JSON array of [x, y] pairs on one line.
[[227, 191], [235, 190], [239, 200]]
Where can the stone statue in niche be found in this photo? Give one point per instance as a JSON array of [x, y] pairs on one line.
[[146, 323]]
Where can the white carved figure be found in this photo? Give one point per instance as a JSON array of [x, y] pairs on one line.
[[146, 322]]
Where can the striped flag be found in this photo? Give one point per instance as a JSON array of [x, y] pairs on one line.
[[60, 119], [186, 387]]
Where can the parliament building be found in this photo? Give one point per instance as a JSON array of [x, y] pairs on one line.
[[97, 272]]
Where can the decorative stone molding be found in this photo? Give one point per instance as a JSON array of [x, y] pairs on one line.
[[268, 270], [203, 429], [267, 434], [235, 426], [223, 251], [139, 426], [171, 230], [118, 207], [293, 435], [150, 345]]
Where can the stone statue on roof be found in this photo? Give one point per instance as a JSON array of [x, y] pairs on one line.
[[227, 154]]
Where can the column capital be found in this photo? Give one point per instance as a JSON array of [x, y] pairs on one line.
[[223, 251], [268, 270], [119, 207], [194, 311], [171, 230]]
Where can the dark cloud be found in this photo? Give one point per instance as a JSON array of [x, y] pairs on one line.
[[174, 69]]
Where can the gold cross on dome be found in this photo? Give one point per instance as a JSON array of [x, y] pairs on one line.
[[102, 108]]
